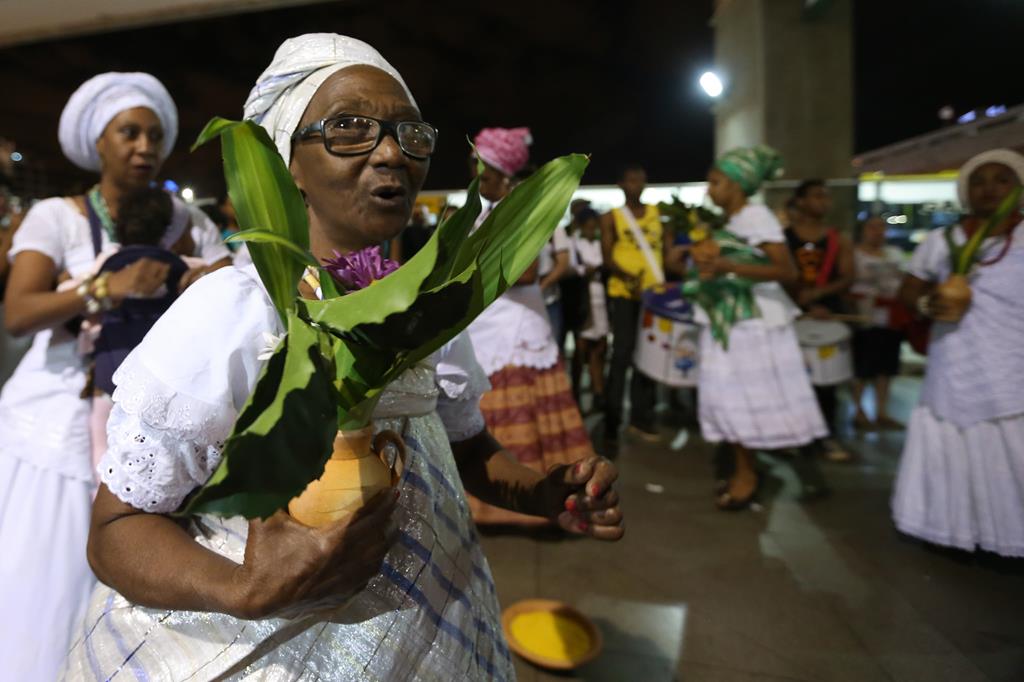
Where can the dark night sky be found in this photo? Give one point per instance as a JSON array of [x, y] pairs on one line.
[[612, 79]]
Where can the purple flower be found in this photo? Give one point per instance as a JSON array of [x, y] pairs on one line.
[[360, 269]]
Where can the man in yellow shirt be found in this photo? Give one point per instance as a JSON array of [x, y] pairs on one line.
[[633, 244]]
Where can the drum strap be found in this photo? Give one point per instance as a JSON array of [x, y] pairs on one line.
[[645, 248], [831, 254]]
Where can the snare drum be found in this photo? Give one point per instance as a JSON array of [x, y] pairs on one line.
[[826, 348], [668, 340]]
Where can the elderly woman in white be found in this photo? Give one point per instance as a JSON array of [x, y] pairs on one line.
[[227, 599]]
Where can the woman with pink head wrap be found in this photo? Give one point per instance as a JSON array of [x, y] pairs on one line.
[[530, 408], [504, 153], [504, 149]]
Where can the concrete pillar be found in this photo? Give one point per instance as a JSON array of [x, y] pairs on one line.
[[788, 72]]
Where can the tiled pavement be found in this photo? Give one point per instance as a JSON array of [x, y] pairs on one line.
[[820, 592]]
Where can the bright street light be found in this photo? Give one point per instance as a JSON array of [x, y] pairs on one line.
[[187, 194], [711, 83]]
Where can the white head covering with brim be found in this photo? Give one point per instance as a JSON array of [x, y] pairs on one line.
[[300, 66], [98, 100], [1007, 157]]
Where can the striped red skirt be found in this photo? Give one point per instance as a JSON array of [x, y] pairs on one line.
[[532, 413]]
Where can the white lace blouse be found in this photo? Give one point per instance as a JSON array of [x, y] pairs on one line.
[[179, 392]]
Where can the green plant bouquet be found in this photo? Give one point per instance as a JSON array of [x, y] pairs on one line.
[[728, 298], [956, 290], [339, 354], [681, 218]]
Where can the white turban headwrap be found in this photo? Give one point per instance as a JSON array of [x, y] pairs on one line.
[[98, 100], [1006, 157], [300, 66]]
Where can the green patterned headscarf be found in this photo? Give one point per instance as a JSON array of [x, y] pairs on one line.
[[750, 166]]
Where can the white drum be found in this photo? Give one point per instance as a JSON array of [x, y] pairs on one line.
[[667, 340], [826, 348]]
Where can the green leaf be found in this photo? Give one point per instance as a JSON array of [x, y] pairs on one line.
[[284, 434], [516, 230], [341, 353], [268, 237], [453, 232], [265, 197], [214, 128], [328, 285], [372, 305], [389, 313]]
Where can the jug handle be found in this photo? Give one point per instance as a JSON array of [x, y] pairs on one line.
[[380, 442]]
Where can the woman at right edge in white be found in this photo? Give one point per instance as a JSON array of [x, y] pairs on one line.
[[961, 476]]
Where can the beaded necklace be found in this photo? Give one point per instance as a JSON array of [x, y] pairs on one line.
[[99, 205], [972, 224]]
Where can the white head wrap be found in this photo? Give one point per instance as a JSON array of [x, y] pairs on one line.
[[300, 66], [98, 100], [1006, 157]]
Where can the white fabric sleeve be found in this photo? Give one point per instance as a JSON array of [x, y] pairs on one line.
[[43, 230], [927, 261], [758, 225], [461, 382], [179, 392], [560, 240], [209, 244]]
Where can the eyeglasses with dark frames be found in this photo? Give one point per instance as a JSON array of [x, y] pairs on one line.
[[353, 135]]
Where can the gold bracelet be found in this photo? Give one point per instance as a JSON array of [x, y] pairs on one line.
[[101, 291]]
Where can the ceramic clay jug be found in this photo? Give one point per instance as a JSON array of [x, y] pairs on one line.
[[355, 473]]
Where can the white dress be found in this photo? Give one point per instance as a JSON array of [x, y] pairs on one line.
[[961, 477], [877, 278], [46, 470], [515, 330], [431, 613], [589, 253], [758, 393], [45, 461]]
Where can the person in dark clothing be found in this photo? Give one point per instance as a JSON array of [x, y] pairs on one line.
[[824, 259]]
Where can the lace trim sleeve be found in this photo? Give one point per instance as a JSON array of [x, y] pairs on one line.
[[161, 444]]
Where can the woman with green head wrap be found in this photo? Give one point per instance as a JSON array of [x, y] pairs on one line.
[[754, 391], [749, 167]]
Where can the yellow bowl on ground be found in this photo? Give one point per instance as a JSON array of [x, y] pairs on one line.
[[551, 634]]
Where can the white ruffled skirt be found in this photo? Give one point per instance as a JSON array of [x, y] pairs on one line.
[[757, 393], [45, 580], [963, 487]]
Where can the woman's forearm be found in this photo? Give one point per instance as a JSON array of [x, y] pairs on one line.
[[839, 286], [152, 561], [27, 313], [492, 475], [558, 272]]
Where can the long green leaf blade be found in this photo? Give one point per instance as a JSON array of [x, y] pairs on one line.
[[1008, 205], [268, 237], [283, 436], [265, 197]]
